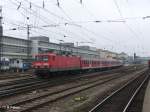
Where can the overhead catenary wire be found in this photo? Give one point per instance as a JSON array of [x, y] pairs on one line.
[[78, 23], [31, 11], [20, 27], [136, 36], [84, 7], [100, 21], [39, 18], [48, 11], [70, 19], [132, 13], [97, 21], [75, 23], [52, 37], [121, 15]]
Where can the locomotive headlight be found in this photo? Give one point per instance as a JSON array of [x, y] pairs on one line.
[[45, 64]]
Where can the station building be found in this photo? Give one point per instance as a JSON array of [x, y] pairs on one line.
[[16, 48], [107, 54]]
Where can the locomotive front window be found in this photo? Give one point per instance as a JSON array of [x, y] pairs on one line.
[[41, 58], [45, 58], [38, 58]]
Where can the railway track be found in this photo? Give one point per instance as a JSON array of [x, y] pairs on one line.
[[19, 87], [26, 85], [137, 100], [122, 100], [36, 102], [4, 76], [5, 83]]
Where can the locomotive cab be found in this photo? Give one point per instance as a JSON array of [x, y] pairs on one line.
[[41, 62], [51, 63]]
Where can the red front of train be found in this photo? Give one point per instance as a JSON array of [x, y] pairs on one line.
[[53, 63], [50, 62]]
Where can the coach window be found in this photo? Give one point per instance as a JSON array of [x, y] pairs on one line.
[[102, 62]]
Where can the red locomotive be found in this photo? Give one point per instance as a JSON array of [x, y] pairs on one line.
[[49, 63]]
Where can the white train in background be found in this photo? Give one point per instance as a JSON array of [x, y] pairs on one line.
[[19, 65], [16, 64], [4, 64], [13, 64]]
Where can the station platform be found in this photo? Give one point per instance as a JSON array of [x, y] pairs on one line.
[[146, 104]]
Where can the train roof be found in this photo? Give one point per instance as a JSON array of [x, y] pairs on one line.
[[54, 54], [50, 54]]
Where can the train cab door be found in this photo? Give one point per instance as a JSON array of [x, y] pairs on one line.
[[52, 62]]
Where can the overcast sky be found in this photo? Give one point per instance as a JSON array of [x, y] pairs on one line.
[[127, 32]]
